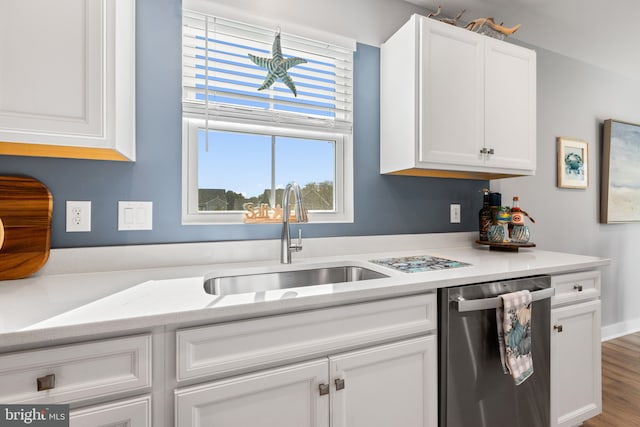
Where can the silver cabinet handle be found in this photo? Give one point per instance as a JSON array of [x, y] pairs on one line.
[[491, 151], [339, 383], [483, 151], [47, 382], [464, 305], [558, 328], [324, 389], [577, 288]]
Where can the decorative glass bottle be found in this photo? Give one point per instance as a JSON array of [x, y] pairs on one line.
[[517, 217], [485, 217]]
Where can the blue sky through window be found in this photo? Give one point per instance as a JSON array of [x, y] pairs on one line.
[[241, 162]]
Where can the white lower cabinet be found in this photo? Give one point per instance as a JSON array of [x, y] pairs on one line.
[[385, 385], [576, 378], [126, 413], [74, 373], [283, 397], [88, 372], [388, 385]]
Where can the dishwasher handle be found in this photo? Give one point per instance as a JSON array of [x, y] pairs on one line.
[[464, 305]]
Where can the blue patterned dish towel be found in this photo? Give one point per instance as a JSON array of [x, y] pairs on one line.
[[513, 316]]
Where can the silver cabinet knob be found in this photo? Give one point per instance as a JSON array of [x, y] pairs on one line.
[[558, 328], [324, 389], [339, 383], [47, 382]]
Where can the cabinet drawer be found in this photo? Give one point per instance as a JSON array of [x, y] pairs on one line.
[[240, 346], [575, 287], [76, 372], [130, 413]]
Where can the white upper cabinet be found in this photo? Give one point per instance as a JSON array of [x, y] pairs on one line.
[[455, 103], [510, 106], [451, 93], [67, 78]]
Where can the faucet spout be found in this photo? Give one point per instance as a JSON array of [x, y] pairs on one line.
[[301, 216]]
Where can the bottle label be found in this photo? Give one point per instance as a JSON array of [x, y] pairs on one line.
[[485, 223], [517, 218]]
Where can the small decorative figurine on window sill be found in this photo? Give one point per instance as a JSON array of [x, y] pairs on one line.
[[263, 214]]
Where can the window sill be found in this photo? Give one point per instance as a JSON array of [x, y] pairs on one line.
[[234, 218]]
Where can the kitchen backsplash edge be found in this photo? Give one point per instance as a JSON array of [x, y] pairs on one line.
[[133, 257]]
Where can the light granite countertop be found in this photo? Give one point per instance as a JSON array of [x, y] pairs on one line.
[[80, 304]]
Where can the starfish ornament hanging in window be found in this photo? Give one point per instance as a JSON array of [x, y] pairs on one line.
[[277, 66]]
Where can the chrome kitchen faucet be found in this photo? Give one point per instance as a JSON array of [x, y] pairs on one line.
[[301, 216]]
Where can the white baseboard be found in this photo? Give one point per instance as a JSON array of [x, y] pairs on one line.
[[616, 330]]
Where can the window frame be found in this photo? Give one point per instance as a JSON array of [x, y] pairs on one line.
[[198, 115], [343, 185]]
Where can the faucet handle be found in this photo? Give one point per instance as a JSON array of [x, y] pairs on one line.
[[297, 247], [299, 243]]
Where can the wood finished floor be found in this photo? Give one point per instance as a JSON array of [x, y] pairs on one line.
[[620, 383]]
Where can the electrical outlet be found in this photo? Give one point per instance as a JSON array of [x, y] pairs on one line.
[[455, 213], [78, 216]]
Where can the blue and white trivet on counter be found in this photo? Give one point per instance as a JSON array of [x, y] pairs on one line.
[[420, 263]]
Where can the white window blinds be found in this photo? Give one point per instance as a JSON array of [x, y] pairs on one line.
[[221, 83]]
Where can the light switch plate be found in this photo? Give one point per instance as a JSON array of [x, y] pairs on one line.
[[135, 215], [455, 213]]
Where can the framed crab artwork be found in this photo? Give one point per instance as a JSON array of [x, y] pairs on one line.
[[573, 163]]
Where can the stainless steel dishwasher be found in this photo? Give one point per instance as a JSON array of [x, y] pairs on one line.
[[473, 390]]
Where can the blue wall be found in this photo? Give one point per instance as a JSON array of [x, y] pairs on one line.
[[383, 204]]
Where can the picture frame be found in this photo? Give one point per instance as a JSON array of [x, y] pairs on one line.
[[573, 163], [620, 191]]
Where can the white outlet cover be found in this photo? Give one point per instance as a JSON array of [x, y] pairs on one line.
[[78, 216], [135, 215]]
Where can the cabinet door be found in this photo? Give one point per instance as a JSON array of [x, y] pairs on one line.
[[283, 397], [75, 97], [387, 385], [510, 105], [451, 95], [126, 413], [576, 381]]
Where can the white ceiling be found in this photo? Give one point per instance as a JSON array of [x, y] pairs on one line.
[[605, 34]]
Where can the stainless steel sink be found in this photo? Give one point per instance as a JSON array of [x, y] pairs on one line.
[[267, 281]]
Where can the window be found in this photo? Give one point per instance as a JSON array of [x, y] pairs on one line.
[[241, 145]]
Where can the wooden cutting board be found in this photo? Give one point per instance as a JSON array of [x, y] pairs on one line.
[[25, 226]]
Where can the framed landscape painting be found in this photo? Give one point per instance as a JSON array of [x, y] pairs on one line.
[[573, 163], [620, 195]]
